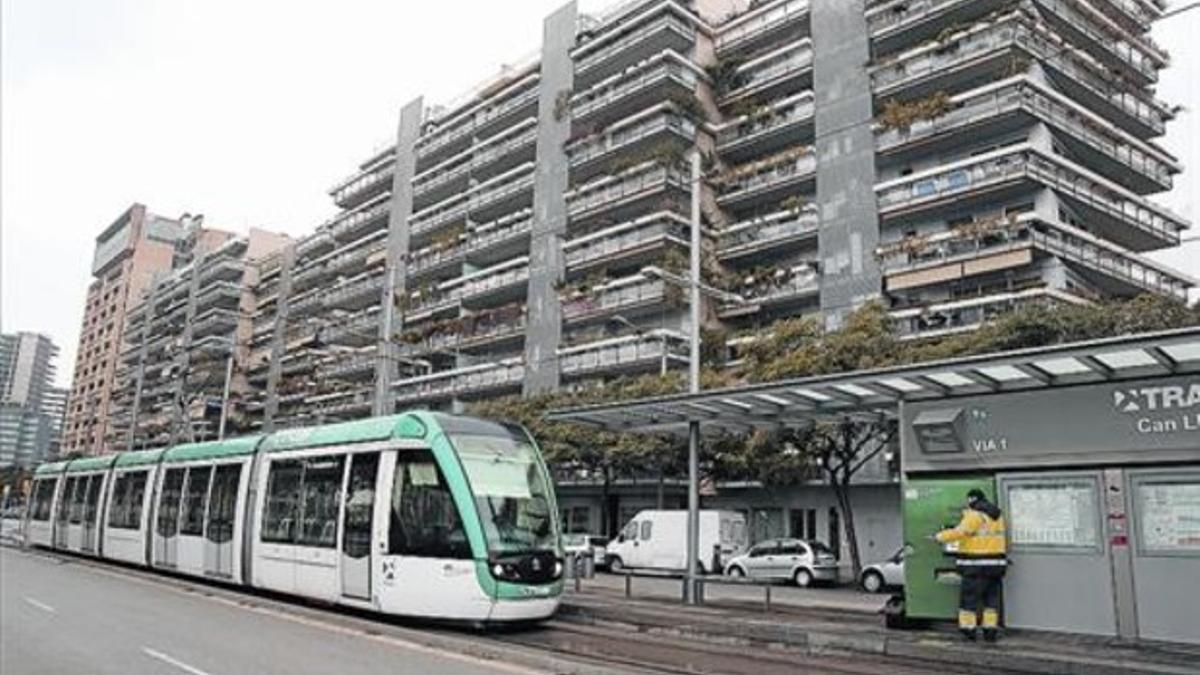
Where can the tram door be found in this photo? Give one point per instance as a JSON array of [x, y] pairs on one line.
[[63, 513], [91, 512], [358, 519], [218, 533], [166, 525]]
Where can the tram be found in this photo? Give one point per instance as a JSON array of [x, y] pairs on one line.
[[420, 514]]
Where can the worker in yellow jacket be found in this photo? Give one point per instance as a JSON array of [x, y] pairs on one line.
[[981, 561]]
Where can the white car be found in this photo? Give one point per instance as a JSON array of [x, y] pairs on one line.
[[582, 544], [884, 575], [803, 562]]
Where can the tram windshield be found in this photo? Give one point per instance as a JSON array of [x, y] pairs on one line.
[[512, 492]]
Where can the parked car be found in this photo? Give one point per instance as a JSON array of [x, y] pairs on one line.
[[657, 540], [803, 562], [582, 543], [885, 575]]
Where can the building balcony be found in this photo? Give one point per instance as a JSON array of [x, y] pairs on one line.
[[666, 76], [357, 224], [439, 143], [763, 26], [354, 367], [773, 288], [988, 248], [500, 239], [470, 382], [1110, 210], [493, 329], [900, 24], [653, 350], [770, 180], [519, 105], [1104, 40], [937, 319], [512, 147], [315, 244], [298, 363], [220, 294], [602, 57], [625, 195], [632, 244], [439, 259], [1001, 108], [493, 286], [309, 275], [215, 321], [223, 269], [502, 193], [355, 294], [780, 232], [362, 254], [344, 404], [629, 297], [306, 304], [430, 220], [994, 49], [656, 129], [356, 330], [1134, 15], [443, 180], [783, 124], [364, 186], [781, 72]]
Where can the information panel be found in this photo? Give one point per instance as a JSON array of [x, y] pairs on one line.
[[1170, 516], [1060, 514]]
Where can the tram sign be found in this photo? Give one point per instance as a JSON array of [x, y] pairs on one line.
[[1141, 421]]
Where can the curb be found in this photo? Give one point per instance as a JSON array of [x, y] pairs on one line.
[[930, 651]]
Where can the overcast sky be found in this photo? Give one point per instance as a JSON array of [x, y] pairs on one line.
[[248, 111]]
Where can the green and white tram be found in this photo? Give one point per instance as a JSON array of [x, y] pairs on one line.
[[420, 514]]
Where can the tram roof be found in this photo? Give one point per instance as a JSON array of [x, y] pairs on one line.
[[230, 447], [875, 392], [90, 463], [52, 467], [139, 457], [406, 425]]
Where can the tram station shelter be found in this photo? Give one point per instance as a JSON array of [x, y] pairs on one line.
[[1092, 449]]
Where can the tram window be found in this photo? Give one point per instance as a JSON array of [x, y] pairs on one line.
[[194, 497], [360, 504], [91, 507], [168, 504], [424, 519], [223, 503], [64, 500], [75, 515], [43, 499], [136, 494], [282, 501], [118, 501], [321, 497]]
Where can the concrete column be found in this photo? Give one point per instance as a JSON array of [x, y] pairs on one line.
[[182, 358], [140, 378], [278, 347], [390, 317], [845, 146], [546, 263]]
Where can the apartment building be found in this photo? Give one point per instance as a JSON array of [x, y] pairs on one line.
[[128, 254], [31, 407], [182, 372], [953, 159]]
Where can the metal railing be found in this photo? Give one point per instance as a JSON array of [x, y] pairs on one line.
[[776, 68], [622, 238], [600, 193], [756, 126], [739, 32], [667, 22], [776, 227], [623, 85], [613, 298], [622, 137]]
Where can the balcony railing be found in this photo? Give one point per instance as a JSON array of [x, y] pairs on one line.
[[655, 347], [760, 74], [619, 137], [751, 180], [1015, 30], [350, 367], [360, 186], [359, 255], [623, 85], [758, 126], [486, 281], [1024, 161], [778, 285], [668, 22], [962, 315], [497, 231], [626, 237], [599, 194], [355, 292], [742, 31], [354, 402], [758, 234], [303, 305], [348, 225], [502, 187], [356, 330], [1031, 96], [461, 382], [1114, 43], [467, 332], [613, 297]]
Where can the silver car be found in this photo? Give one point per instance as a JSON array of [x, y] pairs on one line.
[[884, 575], [803, 562]]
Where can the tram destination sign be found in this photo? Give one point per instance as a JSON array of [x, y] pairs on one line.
[[1136, 422]]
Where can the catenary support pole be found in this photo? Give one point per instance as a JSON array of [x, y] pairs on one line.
[[225, 392], [693, 519]]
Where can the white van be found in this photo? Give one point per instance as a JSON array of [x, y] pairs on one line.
[[658, 540]]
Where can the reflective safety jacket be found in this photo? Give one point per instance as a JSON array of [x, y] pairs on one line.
[[980, 538]]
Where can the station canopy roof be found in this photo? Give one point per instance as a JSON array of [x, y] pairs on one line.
[[872, 393]]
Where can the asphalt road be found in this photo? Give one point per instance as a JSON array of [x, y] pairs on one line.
[[61, 616]]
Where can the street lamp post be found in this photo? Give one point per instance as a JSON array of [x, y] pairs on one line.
[[693, 519]]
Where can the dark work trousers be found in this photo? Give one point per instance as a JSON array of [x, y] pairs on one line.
[[980, 586]]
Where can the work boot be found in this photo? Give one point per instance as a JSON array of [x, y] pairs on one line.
[[968, 634], [990, 635]]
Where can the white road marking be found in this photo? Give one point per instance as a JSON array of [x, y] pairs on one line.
[[40, 605], [155, 654]]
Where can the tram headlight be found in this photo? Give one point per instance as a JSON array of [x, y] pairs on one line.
[[558, 568]]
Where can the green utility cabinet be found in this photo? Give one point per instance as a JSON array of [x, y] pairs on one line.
[[931, 504]]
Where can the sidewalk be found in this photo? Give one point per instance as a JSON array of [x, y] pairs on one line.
[[847, 624]]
